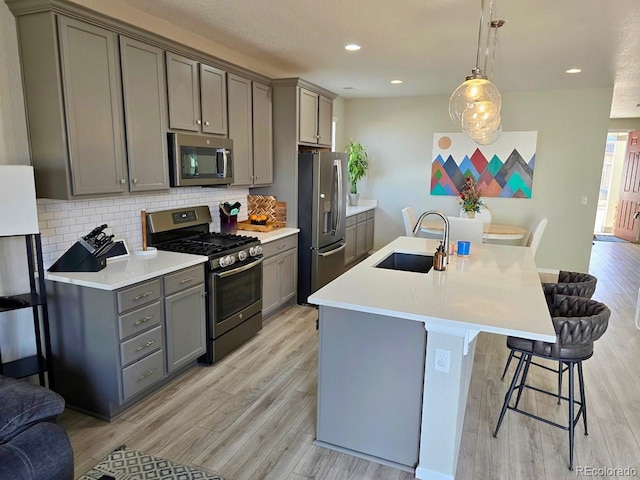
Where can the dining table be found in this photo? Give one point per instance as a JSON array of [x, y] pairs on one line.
[[491, 231]]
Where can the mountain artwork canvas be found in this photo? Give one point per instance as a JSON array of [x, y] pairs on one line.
[[502, 169]]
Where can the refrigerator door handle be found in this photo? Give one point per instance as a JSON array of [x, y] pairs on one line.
[[333, 252], [337, 163]]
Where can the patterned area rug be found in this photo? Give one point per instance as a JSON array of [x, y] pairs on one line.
[[126, 464]]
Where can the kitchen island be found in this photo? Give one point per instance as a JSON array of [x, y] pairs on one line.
[[396, 349]]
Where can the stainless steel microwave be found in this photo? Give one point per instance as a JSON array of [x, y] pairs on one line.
[[200, 160]]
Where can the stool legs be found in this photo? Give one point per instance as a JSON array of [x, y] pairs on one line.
[[572, 423], [507, 396], [559, 382], [583, 399], [506, 367]]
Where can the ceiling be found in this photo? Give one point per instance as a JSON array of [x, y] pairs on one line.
[[429, 44]]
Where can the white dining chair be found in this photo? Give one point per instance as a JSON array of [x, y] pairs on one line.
[[536, 235], [469, 229], [409, 217]]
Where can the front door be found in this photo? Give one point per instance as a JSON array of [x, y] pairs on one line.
[[628, 216]]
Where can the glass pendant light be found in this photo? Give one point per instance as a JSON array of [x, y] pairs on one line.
[[475, 105]]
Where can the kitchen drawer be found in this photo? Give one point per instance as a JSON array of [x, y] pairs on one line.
[[139, 320], [143, 374], [279, 246], [183, 279], [141, 345], [351, 221], [138, 295], [371, 214], [362, 217]]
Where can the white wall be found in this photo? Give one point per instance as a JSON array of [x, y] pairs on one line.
[[572, 127]]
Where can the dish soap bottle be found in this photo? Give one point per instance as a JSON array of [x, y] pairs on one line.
[[440, 259]]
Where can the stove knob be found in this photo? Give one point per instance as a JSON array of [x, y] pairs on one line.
[[252, 251], [242, 256], [232, 259], [222, 262], [258, 250]]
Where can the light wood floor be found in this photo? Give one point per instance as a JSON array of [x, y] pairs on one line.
[[252, 415]]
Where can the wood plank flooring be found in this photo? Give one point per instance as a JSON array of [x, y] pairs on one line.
[[252, 415]]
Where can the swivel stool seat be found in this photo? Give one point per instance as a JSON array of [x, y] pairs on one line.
[[578, 323], [575, 284]]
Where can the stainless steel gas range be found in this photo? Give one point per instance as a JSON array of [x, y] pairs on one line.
[[234, 280]]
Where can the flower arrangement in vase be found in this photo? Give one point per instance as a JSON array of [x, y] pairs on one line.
[[470, 198]]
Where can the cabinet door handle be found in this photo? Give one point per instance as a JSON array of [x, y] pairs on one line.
[[123, 181], [146, 374], [145, 345], [135, 180], [142, 295], [187, 280], [206, 123], [198, 122], [144, 320]]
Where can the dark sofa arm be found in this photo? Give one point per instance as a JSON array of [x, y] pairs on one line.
[[23, 404], [42, 452]]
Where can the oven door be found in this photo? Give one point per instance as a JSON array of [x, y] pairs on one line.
[[236, 295]]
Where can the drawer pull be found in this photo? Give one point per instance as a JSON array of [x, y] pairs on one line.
[[142, 295], [146, 345], [144, 320], [282, 246], [146, 374], [187, 280]]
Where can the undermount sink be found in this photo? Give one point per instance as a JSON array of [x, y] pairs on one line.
[[408, 262]]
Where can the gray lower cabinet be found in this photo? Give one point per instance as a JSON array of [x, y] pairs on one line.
[[370, 384], [185, 317], [145, 105], [279, 273], [359, 235], [112, 348]]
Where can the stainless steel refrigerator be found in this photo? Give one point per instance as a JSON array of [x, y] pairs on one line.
[[322, 180]]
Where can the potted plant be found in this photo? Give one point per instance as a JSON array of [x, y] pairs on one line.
[[470, 198], [357, 166]]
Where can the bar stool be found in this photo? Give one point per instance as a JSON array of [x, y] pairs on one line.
[[578, 322], [569, 283]]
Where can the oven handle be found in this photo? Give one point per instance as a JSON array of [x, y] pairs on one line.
[[238, 270]]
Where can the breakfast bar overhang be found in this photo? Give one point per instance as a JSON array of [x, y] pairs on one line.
[[396, 349]]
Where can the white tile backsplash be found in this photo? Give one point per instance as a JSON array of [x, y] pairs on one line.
[[63, 222]]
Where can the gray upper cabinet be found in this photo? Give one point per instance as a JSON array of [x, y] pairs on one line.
[[251, 129], [145, 100], [325, 120], [240, 129], [93, 105], [314, 118], [197, 103], [262, 135], [213, 93], [184, 93]]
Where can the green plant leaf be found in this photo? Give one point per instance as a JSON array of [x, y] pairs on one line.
[[357, 164]]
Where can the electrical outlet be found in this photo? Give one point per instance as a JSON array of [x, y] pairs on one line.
[[584, 200], [442, 360]]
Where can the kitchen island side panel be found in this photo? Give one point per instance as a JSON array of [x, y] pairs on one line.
[[84, 342], [370, 384]]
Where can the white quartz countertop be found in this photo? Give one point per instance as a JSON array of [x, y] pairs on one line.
[[129, 270], [266, 237], [363, 206], [496, 289]]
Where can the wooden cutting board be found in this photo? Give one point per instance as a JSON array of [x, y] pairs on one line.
[[269, 227]]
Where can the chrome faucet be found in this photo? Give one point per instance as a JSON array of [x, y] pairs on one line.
[[445, 236]]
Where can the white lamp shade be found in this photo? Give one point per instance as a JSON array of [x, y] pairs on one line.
[[18, 210]]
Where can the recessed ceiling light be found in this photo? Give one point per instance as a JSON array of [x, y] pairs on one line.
[[347, 88], [396, 82], [574, 70], [352, 47]]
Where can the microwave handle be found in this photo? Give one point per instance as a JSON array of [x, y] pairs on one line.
[[225, 161]]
